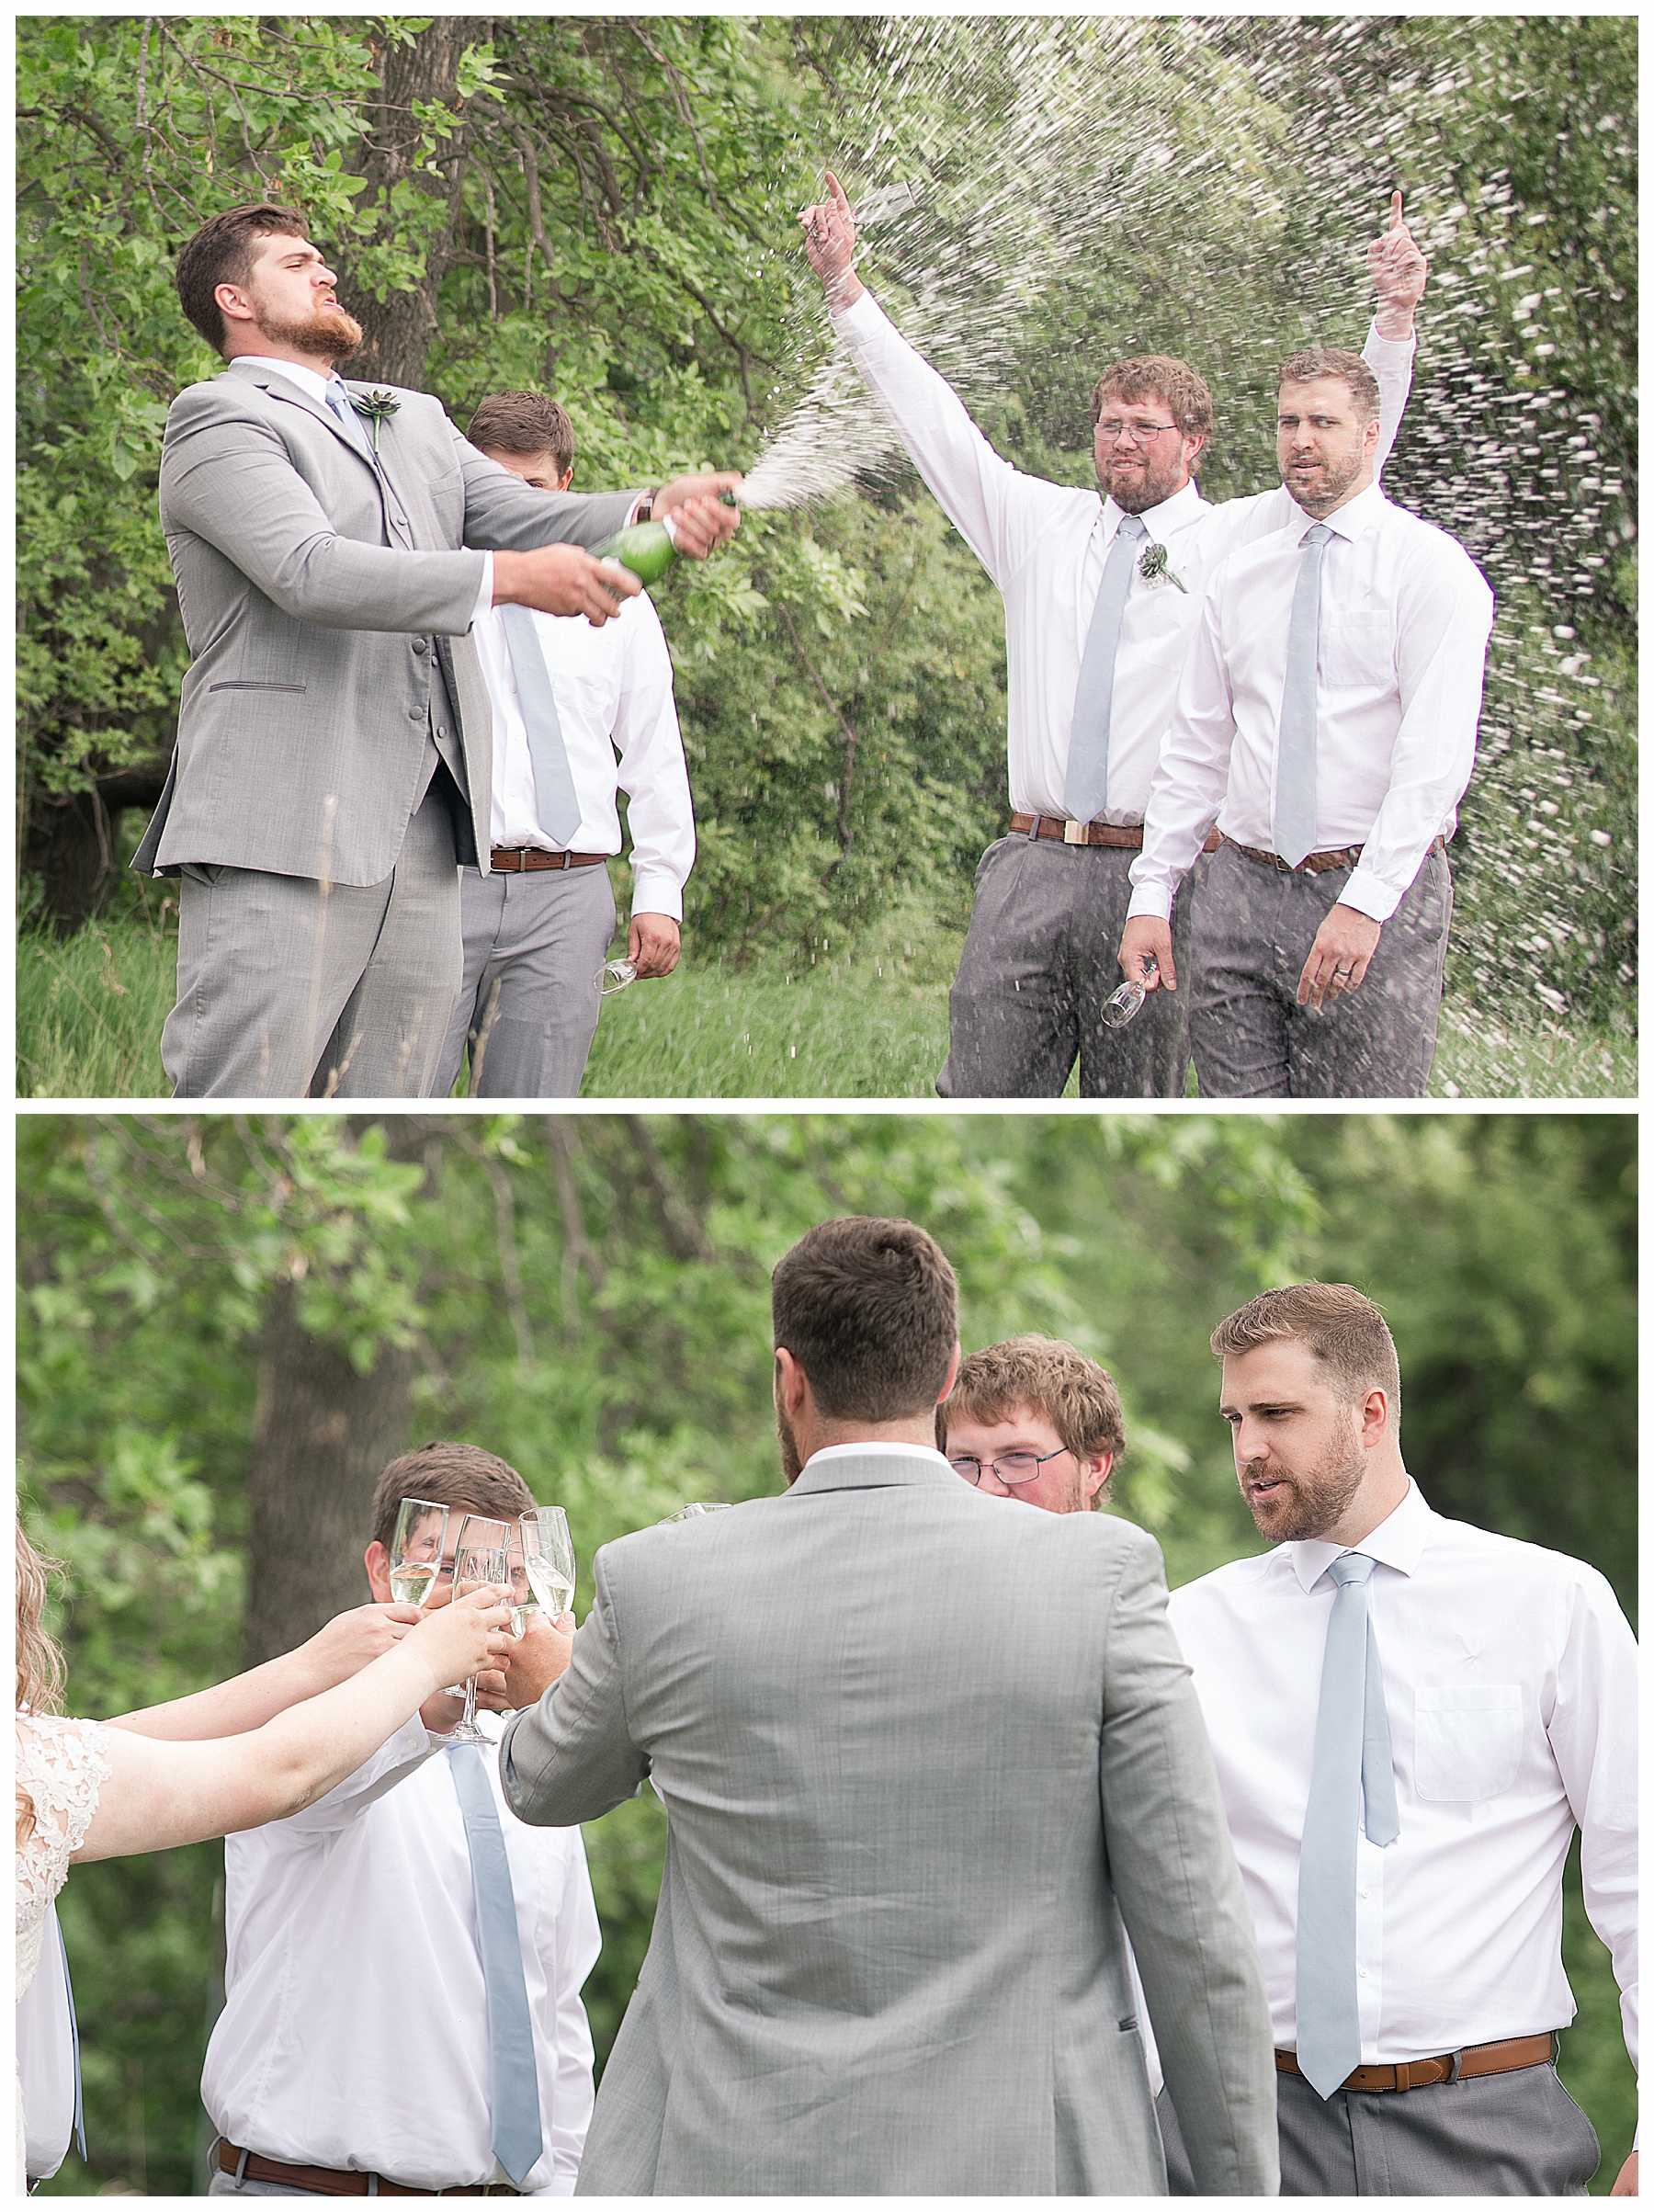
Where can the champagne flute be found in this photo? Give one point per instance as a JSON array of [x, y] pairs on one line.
[[416, 1549], [482, 1562], [548, 1556], [693, 1513]]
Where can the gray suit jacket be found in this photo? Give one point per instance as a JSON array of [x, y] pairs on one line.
[[926, 1757], [318, 592]]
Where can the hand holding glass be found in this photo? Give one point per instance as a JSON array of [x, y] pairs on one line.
[[482, 1562]]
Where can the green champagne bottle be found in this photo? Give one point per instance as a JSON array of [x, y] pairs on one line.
[[648, 548]]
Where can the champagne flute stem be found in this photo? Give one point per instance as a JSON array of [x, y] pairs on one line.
[[470, 1721]]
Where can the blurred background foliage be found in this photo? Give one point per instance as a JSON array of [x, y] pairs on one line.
[[605, 208], [588, 1296]]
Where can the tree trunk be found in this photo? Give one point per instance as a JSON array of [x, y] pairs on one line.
[[69, 843], [398, 330]]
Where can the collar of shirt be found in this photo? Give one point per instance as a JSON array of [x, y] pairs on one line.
[[1397, 1541], [1352, 520], [1171, 514], [876, 1451], [310, 382]]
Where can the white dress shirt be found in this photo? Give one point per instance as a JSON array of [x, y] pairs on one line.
[[1405, 615], [1510, 1680], [613, 688], [355, 2028], [1044, 546]]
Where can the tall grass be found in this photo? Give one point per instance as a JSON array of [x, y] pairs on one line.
[[90, 1009]]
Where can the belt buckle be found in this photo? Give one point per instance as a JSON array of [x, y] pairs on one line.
[[1076, 833]]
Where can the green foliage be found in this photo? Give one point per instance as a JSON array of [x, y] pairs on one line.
[[588, 1294]]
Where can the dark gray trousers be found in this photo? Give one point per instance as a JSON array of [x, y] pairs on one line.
[[527, 1006], [1041, 956], [1502, 2135], [1254, 926]]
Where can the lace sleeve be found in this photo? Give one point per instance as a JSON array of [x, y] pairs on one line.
[[62, 1765]]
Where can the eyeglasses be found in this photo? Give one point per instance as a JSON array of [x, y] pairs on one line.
[[1144, 433], [1014, 1468]]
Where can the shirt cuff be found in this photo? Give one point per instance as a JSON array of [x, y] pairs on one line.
[[1368, 896], [656, 893], [1150, 899], [863, 313], [632, 512], [485, 596], [1380, 352]]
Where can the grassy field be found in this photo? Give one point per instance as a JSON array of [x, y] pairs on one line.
[[90, 1010]]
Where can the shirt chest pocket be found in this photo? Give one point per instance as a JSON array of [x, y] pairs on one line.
[[1358, 650], [1467, 1740]]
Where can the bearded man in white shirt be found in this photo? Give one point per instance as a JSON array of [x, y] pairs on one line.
[[404, 1959], [1411, 1716], [538, 921], [1100, 593], [1326, 721]]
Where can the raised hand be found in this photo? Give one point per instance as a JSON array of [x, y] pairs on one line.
[[1398, 269], [460, 1638], [829, 240], [698, 514]]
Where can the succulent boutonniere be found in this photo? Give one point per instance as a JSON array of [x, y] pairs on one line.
[[375, 407], [1156, 568]]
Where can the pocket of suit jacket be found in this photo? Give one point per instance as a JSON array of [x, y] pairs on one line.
[[1467, 1740], [236, 684]]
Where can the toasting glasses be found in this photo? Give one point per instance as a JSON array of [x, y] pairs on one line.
[[483, 1561], [416, 1549]]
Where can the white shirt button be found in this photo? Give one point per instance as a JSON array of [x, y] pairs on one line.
[[1361, 1973]]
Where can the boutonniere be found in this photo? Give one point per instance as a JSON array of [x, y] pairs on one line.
[[375, 407], [1155, 568]]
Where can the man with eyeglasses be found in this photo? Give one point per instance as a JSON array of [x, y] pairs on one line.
[[1035, 1420], [1101, 596]]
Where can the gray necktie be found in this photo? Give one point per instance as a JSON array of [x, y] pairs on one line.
[[1351, 1764], [350, 422], [514, 2080], [554, 799], [1294, 757], [1085, 793]]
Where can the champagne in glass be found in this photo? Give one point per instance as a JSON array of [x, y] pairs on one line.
[[548, 1556], [416, 1549], [483, 1561]]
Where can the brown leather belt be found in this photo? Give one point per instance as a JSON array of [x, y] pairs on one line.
[[1316, 863], [524, 859], [1128, 836], [1457, 2066], [324, 2181]]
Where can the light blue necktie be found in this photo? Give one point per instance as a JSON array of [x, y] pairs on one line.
[[1295, 756], [1086, 792], [1352, 1765], [350, 422], [517, 2138], [80, 2122], [554, 799]]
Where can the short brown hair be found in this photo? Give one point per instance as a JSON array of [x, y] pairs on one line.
[[1047, 1377], [1348, 368], [1160, 376], [222, 253], [870, 1312], [450, 1474], [1347, 1333], [524, 423]]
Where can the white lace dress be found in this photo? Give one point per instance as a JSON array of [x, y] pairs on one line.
[[63, 1765]]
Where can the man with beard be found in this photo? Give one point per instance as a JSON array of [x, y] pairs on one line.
[[925, 1759], [1101, 595], [333, 546], [1411, 1716], [1326, 721]]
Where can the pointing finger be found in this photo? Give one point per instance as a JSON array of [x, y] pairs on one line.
[[1395, 211]]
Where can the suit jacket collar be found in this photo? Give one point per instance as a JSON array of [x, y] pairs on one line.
[[284, 388], [851, 1470]]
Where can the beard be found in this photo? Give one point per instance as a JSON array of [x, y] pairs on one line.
[[1135, 490], [792, 1465], [1306, 1505], [1327, 486], [327, 332]]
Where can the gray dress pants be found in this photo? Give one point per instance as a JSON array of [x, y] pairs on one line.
[[1254, 926], [527, 1006], [1041, 956], [289, 986], [1501, 2135]]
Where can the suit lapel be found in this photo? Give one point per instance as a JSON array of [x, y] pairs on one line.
[[284, 388]]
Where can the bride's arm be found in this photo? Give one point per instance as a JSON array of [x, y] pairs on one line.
[[160, 1794], [347, 1644]]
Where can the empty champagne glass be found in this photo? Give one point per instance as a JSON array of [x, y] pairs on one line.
[[549, 1558], [1126, 1003], [614, 975], [416, 1549], [482, 1562]]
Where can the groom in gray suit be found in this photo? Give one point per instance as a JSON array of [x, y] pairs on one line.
[[333, 546], [927, 1761]]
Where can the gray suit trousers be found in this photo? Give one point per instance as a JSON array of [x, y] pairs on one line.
[[1040, 958], [1501, 2135], [1254, 926], [289, 986], [527, 1006]]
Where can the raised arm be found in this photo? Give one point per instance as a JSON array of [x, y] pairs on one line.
[[570, 1757], [343, 1648], [1397, 269], [161, 1794]]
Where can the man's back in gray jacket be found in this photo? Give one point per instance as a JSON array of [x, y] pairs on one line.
[[927, 1757]]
